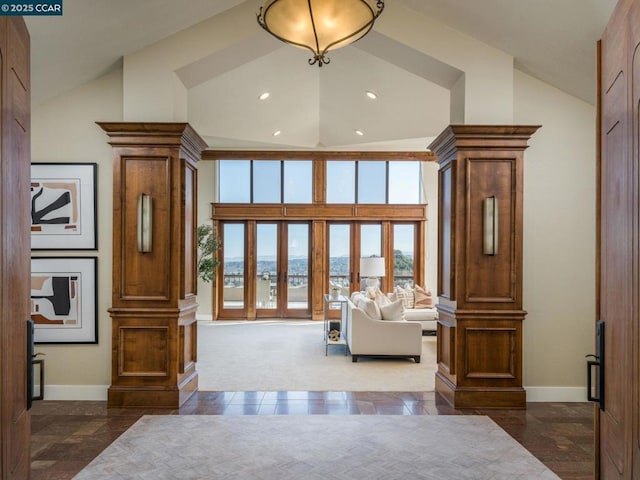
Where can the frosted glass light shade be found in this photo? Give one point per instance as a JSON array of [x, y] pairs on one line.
[[319, 25]]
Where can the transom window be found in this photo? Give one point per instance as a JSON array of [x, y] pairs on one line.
[[265, 181], [347, 181], [371, 181]]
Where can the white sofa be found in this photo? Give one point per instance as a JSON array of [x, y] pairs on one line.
[[368, 336], [427, 316]]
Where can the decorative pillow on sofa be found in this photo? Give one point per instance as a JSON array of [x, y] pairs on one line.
[[377, 296], [393, 312], [369, 307], [423, 298], [406, 295]]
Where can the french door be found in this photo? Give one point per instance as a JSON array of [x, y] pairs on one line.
[[265, 270], [349, 242], [346, 244]]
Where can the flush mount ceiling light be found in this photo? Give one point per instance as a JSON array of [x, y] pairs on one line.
[[264, 96], [371, 95], [319, 25], [276, 133], [359, 133]]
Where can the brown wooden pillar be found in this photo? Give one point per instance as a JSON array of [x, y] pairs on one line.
[[154, 292], [480, 286]]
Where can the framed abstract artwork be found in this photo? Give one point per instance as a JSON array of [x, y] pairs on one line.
[[64, 299], [63, 206]]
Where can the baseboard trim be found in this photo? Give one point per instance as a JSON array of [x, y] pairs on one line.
[[556, 394], [76, 392]]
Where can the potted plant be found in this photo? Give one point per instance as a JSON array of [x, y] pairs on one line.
[[208, 243]]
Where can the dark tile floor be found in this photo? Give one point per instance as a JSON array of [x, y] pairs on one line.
[[66, 436]]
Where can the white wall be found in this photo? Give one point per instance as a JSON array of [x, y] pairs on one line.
[[63, 129], [206, 196], [559, 238]]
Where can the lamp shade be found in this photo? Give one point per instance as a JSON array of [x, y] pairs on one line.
[[372, 267], [319, 25]]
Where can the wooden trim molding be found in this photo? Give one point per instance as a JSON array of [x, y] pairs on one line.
[[314, 155], [339, 212]]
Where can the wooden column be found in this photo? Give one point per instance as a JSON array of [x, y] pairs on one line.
[[154, 293], [480, 295]]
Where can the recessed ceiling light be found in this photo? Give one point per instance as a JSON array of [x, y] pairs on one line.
[[359, 132], [371, 95], [276, 133], [264, 95]]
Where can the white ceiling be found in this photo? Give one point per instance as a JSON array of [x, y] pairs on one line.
[[553, 40]]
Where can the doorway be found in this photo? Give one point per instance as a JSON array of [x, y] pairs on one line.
[[265, 270]]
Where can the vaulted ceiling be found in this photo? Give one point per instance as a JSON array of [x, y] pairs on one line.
[[551, 40]]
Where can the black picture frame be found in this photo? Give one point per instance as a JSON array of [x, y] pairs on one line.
[[64, 206], [64, 299]]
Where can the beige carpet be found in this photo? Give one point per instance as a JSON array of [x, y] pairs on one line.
[[315, 448], [290, 355]]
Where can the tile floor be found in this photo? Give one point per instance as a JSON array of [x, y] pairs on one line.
[[66, 436]]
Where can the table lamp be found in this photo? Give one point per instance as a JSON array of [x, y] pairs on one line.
[[372, 268]]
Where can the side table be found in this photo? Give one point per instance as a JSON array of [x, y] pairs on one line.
[[328, 301]]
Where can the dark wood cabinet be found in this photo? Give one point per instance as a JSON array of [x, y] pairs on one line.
[[154, 329], [15, 160]]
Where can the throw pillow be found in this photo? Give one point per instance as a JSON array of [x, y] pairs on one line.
[[411, 296], [393, 312], [380, 298], [369, 307], [406, 295], [423, 298]]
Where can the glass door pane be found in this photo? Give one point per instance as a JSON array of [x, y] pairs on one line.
[[403, 253], [233, 265], [340, 257], [370, 244], [267, 266], [298, 266]]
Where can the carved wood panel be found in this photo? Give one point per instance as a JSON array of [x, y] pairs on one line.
[[145, 276], [190, 227], [446, 253], [144, 351], [490, 352], [490, 177]]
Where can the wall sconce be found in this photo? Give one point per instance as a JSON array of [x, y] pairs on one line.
[[490, 224], [145, 223]]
